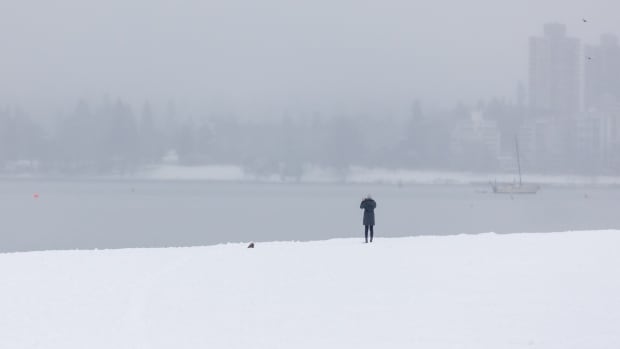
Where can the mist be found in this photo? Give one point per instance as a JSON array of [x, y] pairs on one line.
[[275, 87], [261, 173], [276, 57]]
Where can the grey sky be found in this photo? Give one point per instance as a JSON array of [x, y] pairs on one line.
[[274, 56]]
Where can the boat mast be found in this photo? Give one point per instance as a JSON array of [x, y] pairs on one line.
[[518, 158]]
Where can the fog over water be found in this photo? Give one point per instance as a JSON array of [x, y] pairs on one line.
[[276, 96]]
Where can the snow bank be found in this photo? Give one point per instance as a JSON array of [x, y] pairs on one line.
[[361, 175], [559, 290], [207, 173], [314, 174]]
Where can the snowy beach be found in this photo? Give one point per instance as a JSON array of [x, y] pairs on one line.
[[555, 290]]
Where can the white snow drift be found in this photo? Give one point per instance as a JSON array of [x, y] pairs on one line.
[[559, 290]]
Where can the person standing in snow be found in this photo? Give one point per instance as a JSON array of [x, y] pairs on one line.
[[368, 205]]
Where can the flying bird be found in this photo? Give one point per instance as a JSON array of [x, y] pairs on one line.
[[584, 20]]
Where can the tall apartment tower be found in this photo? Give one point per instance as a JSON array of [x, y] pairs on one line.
[[602, 73], [554, 72]]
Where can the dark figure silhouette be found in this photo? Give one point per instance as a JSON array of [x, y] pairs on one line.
[[368, 205]]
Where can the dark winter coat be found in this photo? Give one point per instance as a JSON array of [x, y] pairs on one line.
[[369, 206]]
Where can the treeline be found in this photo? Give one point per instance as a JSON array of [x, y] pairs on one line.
[[112, 137]]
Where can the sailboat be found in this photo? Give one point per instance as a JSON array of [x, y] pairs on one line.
[[516, 188]]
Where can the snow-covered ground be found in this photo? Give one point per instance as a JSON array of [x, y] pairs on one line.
[[354, 175], [361, 175], [552, 291]]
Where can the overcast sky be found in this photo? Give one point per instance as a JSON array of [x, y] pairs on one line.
[[278, 56]]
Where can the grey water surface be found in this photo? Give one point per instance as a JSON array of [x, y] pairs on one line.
[[44, 215]]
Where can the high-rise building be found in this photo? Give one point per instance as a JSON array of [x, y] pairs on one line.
[[602, 73], [554, 72]]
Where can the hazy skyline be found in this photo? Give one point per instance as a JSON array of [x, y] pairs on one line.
[[277, 56]]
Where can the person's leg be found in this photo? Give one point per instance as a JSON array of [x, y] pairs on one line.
[[366, 233], [372, 232]]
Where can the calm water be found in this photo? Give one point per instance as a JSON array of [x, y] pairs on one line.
[[117, 214]]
